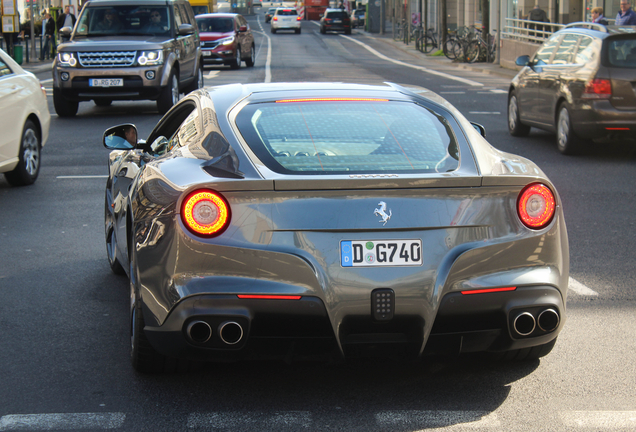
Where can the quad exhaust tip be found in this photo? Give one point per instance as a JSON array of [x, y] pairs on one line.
[[548, 320], [231, 332], [199, 331], [524, 323]]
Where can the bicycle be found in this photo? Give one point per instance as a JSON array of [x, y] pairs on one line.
[[482, 50], [457, 42], [428, 43], [398, 33]]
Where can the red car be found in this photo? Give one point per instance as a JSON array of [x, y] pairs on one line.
[[226, 38]]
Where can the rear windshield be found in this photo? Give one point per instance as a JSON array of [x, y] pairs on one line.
[[123, 20], [337, 15], [349, 137], [286, 12], [622, 52], [215, 25]]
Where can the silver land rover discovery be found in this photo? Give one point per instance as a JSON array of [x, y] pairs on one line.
[[148, 50]]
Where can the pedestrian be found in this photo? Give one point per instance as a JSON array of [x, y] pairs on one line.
[[48, 30], [597, 16], [537, 14], [626, 16], [67, 19]]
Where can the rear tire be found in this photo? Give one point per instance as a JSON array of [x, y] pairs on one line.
[[515, 127], [430, 44], [169, 95], [567, 141], [236, 64], [63, 107], [250, 61], [197, 83], [28, 168], [452, 49]]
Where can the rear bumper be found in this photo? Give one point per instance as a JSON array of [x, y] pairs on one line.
[[599, 119], [276, 328]]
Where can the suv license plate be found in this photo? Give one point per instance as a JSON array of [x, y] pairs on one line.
[[379, 253], [106, 82]]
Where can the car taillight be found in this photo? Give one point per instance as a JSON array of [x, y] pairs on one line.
[[205, 212], [598, 89], [536, 206], [275, 18], [328, 19], [298, 19]]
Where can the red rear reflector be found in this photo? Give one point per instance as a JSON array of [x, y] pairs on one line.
[[536, 206], [205, 212], [268, 297], [489, 290], [333, 100], [598, 89], [619, 129]]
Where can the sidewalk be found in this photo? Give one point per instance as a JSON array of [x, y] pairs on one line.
[[488, 68]]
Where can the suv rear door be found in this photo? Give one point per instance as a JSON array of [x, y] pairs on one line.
[[621, 64]]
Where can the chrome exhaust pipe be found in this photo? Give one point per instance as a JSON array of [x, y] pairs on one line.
[[548, 320], [231, 332], [199, 331], [524, 323]]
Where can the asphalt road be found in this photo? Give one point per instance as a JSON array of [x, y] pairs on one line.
[[64, 316]]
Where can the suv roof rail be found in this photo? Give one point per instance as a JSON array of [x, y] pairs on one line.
[[588, 25]]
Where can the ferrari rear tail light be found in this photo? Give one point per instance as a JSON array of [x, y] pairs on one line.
[[205, 213], [598, 89], [536, 206]]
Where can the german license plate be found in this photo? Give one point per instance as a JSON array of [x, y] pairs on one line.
[[106, 82], [379, 253], [337, 21], [206, 53]]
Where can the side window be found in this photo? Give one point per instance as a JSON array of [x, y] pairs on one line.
[[565, 52], [4, 69], [178, 129], [177, 17], [185, 19], [585, 53], [190, 14], [542, 56]]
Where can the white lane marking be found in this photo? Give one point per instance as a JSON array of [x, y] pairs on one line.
[[416, 419], [220, 420], [484, 112], [421, 68], [499, 91], [81, 176], [453, 92], [46, 81], [66, 421], [600, 419], [268, 62], [212, 74], [580, 289]]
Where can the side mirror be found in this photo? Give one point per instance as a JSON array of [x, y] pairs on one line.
[[479, 128], [242, 29], [160, 145], [185, 29], [121, 137], [65, 31], [523, 60]]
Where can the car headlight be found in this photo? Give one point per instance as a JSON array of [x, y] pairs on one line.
[[150, 58], [227, 41], [67, 59]]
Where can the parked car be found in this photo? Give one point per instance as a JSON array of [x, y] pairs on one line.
[[24, 121], [335, 20], [117, 51], [357, 17], [226, 38], [330, 218], [269, 14], [286, 19], [578, 84]]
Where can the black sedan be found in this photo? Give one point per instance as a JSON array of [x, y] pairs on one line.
[[334, 220]]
